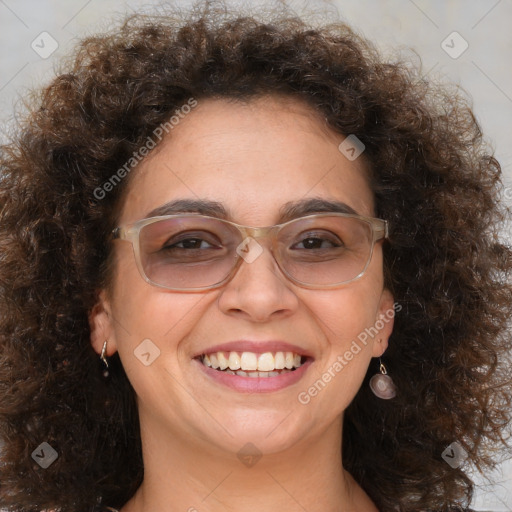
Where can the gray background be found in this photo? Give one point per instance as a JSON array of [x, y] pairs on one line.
[[484, 70]]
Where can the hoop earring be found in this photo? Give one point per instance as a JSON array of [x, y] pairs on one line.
[[382, 384], [104, 359]]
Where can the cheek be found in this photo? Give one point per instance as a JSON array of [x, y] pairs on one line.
[[346, 313], [149, 322], [347, 327], [346, 318], [354, 310]]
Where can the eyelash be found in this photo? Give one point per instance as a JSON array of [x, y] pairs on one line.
[[305, 236]]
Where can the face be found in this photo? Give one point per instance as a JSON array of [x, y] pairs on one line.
[[252, 158]]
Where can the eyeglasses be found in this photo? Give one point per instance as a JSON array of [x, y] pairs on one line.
[[193, 252]]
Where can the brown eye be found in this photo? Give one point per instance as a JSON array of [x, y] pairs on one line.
[[191, 241], [319, 241]]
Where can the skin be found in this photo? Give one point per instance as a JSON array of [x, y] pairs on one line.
[[253, 158]]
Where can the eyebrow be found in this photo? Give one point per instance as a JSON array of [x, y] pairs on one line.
[[290, 210]]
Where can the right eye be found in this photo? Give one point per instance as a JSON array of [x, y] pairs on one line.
[[191, 241]]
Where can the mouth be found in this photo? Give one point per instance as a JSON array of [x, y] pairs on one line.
[[253, 370], [252, 364]]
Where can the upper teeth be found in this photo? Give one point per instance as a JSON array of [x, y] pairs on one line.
[[248, 361]]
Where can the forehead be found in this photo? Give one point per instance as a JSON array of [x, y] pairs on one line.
[[250, 157]]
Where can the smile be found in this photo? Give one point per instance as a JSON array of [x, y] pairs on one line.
[[250, 364], [252, 372]]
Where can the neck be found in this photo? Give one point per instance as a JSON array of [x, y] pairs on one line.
[[194, 476]]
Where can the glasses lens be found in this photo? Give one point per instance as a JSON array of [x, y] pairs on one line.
[[325, 250], [188, 251]]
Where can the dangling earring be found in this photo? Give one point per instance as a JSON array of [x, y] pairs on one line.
[[382, 384], [104, 359]]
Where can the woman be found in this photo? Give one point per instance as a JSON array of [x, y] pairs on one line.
[[249, 266]]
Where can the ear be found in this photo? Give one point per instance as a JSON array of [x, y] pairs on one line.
[[102, 326], [384, 322]]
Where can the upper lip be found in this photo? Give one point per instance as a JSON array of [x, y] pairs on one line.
[[258, 347]]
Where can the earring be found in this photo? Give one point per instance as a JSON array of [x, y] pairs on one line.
[[104, 359], [382, 384]]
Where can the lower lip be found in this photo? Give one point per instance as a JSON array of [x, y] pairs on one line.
[[255, 384]]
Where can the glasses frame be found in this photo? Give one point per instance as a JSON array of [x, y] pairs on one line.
[[130, 232]]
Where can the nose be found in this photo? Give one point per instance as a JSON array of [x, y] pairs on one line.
[[258, 291]]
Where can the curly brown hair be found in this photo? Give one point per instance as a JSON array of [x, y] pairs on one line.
[[433, 179]]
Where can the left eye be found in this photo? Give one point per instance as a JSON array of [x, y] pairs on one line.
[[315, 243], [319, 241]]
